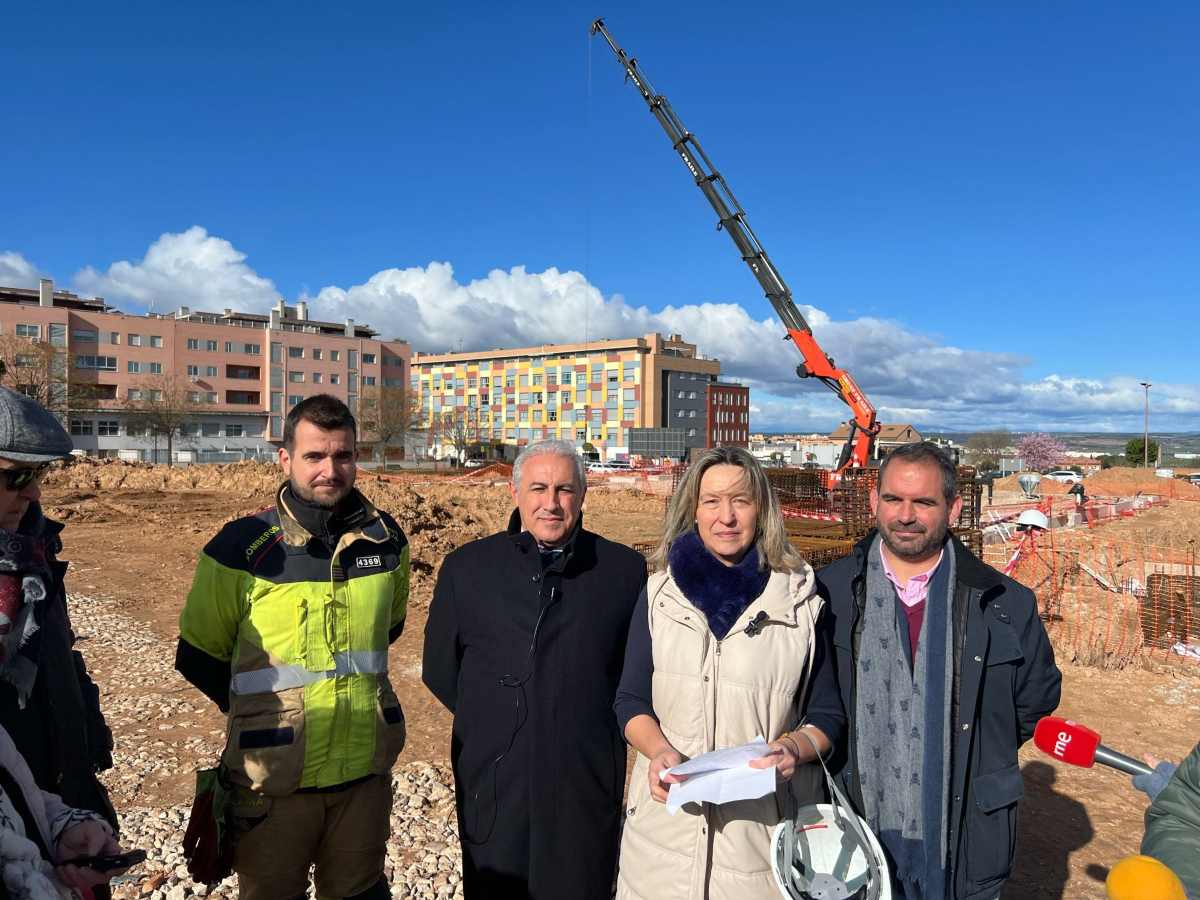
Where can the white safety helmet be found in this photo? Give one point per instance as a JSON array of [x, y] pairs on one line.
[[824, 851], [1033, 518]]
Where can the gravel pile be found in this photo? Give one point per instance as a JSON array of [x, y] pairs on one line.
[[161, 731]]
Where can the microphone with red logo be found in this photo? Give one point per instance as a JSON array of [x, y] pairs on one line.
[[1078, 745]]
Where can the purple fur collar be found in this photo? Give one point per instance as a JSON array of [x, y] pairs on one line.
[[719, 591]]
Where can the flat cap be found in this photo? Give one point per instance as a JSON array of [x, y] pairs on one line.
[[28, 431]]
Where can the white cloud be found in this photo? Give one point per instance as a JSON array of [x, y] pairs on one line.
[[17, 271], [192, 268], [908, 375]]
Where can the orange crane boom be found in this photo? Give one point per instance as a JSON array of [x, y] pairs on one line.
[[732, 219]]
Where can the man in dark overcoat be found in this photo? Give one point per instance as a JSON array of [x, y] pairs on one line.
[[525, 644]]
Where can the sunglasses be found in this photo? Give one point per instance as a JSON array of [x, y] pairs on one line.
[[19, 479]]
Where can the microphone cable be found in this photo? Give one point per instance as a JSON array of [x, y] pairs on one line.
[[517, 684]]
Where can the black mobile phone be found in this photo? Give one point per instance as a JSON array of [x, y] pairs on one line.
[[109, 863]]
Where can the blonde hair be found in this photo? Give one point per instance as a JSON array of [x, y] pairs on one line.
[[775, 552]]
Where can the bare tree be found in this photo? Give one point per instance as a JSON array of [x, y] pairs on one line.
[[162, 405], [458, 428], [986, 448], [386, 414], [34, 368]]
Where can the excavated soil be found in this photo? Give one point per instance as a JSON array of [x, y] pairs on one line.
[[133, 534]]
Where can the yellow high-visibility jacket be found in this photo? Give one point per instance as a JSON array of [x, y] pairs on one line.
[[306, 634]]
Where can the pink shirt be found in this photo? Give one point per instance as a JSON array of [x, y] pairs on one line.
[[916, 589], [912, 594]]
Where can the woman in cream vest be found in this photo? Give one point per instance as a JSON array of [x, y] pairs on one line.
[[727, 643]]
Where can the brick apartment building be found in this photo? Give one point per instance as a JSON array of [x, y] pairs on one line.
[[246, 370], [595, 392], [728, 415]]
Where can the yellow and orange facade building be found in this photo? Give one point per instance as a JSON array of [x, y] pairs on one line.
[[594, 392]]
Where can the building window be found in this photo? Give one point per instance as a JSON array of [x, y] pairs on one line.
[[155, 396], [691, 395], [35, 332], [252, 349], [194, 397], [679, 414], [351, 359], [135, 429], [155, 368], [193, 371], [537, 379], [210, 397], [104, 363], [193, 343], [317, 377], [190, 429], [369, 381], [114, 337], [293, 399], [81, 426], [135, 394], [229, 346], [368, 359], [296, 377], [156, 340], [210, 429], [335, 355], [335, 379], [233, 430], [681, 395], [316, 354], [295, 353], [210, 371], [691, 432], [135, 340], [85, 334], [552, 415], [537, 396], [691, 414], [107, 428], [133, 367], [564, 396]]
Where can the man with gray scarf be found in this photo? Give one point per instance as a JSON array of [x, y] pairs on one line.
[[944, 670]]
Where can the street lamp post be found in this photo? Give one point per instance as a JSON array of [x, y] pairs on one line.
[[1146, 427]]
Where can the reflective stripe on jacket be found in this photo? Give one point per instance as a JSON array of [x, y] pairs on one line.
[[710, 694], [306, 632]]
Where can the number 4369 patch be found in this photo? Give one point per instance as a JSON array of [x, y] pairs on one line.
[[368, 562]]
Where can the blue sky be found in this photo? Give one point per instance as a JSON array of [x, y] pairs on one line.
[[992, 212]]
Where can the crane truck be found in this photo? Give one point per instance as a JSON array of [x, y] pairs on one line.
[[732, 219]]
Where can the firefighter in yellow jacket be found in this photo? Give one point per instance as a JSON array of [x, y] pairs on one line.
[[286, 629]]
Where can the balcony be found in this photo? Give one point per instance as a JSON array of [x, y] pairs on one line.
[[243, 398], [248, 373]]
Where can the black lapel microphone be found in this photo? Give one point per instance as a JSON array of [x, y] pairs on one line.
[[756, 624]]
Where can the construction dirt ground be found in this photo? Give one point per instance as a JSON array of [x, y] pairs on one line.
[[132, 537]]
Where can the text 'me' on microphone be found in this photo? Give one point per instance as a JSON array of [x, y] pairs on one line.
[[1078, 745]]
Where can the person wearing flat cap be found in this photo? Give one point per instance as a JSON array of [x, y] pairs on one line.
[[49, 706]]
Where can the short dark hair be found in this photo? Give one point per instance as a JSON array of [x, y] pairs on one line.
[[926, 452], [323, 410]]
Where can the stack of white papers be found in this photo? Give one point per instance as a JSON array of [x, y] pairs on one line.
[[722, 776]]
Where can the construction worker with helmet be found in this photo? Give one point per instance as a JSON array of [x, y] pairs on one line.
[[286, 629]]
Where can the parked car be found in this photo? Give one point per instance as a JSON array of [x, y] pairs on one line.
[[1194, 478], [615, 465], [475, 463], [1066, 476]]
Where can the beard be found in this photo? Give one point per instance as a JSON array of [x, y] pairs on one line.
[[929, 540], [325, 499]]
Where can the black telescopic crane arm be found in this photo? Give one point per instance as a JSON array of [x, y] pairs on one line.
[[732, 218], [730, 214]]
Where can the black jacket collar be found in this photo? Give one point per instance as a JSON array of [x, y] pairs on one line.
[[526, 541], [968, 568]]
